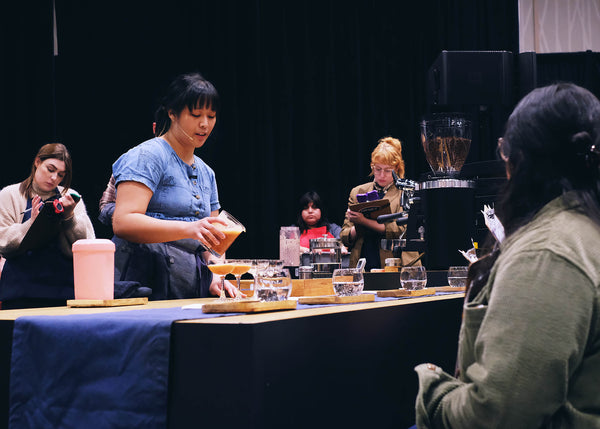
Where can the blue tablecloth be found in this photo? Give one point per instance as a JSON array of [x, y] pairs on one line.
[[107, 370]]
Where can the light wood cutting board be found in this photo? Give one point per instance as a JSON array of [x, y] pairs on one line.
[[248, 306], [106, 302], [334, 299], [396, 293]]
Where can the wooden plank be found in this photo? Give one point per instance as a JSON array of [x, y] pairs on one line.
[[247, 306], [396, 293], [312, 287], [450, 288], [334, 299], [106, 302]]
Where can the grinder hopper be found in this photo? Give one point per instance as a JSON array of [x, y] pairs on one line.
[[446, 141]]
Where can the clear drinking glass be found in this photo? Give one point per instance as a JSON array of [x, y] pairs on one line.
[[457, 276], [348, 281], [258, 266], [274, 285], [413, 277]]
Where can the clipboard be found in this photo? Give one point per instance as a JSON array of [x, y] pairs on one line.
[[43, 230], [372, 209]]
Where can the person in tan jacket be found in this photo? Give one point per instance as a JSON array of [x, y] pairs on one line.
[[362, 235]]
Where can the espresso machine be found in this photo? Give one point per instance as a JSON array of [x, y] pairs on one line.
[[439, 211]]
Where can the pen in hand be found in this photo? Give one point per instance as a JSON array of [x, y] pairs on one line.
[[73, 195]]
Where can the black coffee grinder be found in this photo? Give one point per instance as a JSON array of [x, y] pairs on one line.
[[447, 201]]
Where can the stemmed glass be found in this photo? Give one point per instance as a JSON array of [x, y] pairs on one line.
[[240, 266], [222, 270]]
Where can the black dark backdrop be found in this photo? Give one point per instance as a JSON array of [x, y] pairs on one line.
[[307, 89]]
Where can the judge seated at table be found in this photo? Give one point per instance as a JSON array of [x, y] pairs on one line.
[[313, 222]]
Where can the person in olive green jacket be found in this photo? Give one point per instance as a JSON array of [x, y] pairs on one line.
[[529, 345]]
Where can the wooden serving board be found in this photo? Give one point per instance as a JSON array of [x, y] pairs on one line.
[[106, 302], [248, 306], [450, 288], [395, 293], [312, 287], [334, 299]]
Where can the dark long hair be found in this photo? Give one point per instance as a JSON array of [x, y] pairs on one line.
[[315, 199], [551, 146], [190, 91], [48, 151]]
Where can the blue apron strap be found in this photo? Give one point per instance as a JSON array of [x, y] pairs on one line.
[[27, 214]]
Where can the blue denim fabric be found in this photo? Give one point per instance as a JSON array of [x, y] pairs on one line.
[[180, 191]]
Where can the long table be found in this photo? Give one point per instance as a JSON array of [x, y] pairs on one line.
[[336, 366]]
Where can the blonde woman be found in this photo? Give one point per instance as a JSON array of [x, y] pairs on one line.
[[362, 235]]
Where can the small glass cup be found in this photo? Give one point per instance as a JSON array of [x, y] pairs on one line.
[[274, 285], [457, 276], [232, 229], [413, 277], [393, 265], [258, 266], [348, 281]]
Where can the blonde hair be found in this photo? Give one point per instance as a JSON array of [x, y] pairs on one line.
[[389, 152]]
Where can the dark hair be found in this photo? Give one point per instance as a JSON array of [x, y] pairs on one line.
[[550, 146], [189, 91], [48, 151], [305, 200]]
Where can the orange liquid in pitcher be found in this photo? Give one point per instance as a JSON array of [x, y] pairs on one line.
[[230, 236], [221, 269]]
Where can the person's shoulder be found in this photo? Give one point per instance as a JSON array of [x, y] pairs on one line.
[[152, 150], [10, 189], [153, 144], [365, 187]]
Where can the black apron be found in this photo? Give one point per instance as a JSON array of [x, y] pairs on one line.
[[41, 275]]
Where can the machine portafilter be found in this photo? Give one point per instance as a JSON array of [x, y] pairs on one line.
[[407, 187], [408, 216]]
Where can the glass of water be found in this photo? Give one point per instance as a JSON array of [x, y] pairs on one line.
[[348, 281], [457, 276], [413, 277]]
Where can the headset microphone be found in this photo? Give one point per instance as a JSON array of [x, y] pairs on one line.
[[182, 130]]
